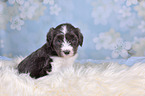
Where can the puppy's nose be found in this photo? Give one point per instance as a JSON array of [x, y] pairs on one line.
[[66, 52]]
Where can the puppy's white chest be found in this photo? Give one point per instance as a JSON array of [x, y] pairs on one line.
[[61, 63]]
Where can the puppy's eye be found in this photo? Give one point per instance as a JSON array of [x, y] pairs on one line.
[[58, 41], [73, 40]]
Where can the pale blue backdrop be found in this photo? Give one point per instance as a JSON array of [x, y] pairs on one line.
[[111, 28]]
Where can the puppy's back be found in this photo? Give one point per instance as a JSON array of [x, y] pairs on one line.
[[26, 65], [37, 63]]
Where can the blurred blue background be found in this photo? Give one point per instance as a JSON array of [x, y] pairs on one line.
[[111, 28]]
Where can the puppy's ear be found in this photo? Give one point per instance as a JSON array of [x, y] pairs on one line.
[[79, 35], [50, 36]]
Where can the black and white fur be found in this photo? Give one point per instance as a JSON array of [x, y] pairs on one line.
[[57, 53]]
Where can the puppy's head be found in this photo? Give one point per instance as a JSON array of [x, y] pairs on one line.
[[65, 39]]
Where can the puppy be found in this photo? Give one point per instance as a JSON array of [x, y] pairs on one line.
[[57, 53]]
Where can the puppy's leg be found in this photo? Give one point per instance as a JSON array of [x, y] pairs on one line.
[[35, 69], [46, 68]]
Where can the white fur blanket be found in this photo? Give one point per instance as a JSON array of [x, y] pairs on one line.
[[107, 79]]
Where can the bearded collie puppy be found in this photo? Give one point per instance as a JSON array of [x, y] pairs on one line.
[[57, 53]]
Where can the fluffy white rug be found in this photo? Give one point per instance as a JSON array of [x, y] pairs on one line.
[[108, 79]]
